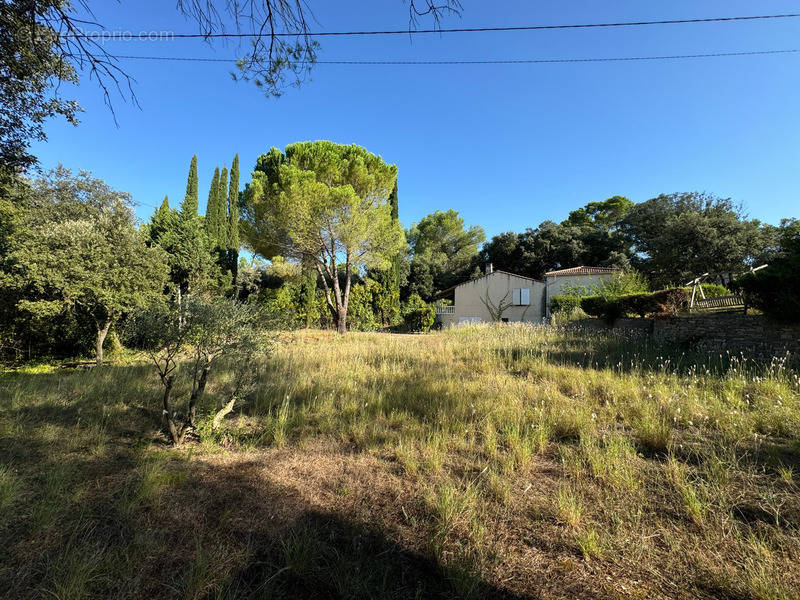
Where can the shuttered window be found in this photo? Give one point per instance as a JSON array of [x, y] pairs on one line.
[[522, 297]]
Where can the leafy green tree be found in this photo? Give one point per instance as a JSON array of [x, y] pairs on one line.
[[329, 207], [418, 315], [776, 289], [680, 236], [589, 236], [606, 214], [32, 63], [443, 252], [78, 250], [190, 200]]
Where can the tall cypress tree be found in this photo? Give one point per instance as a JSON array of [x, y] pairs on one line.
[[394, 273], [394, 204], [212, 210], [233, 209], [190, 200], [233, 217], [222, 207]]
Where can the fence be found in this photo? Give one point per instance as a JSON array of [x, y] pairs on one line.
[[720, 302]]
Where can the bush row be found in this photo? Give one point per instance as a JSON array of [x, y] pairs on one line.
[[662, 302]]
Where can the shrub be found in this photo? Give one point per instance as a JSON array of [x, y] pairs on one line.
[[604, 308], [622, 283], [641, 304], [776, 289], [360, 314], [418, 315], [664, 302], [714, 290], [671, 302], [564, 303], [775, 293]]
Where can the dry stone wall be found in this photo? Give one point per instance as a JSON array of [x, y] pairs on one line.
[[755, 336]]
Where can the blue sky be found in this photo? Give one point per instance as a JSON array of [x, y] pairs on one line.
[[505, 146]]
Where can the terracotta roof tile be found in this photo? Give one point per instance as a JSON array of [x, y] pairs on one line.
[[582, 271]]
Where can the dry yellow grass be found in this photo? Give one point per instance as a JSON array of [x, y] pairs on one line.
[[480, 462]]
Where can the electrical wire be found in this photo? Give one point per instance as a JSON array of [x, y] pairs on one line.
[[451, 30], [483, 62]]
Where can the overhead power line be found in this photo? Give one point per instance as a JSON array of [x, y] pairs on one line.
[[454, 30], [485, 62]]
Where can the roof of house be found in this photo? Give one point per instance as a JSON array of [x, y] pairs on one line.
[[450, 289], [581, 271]]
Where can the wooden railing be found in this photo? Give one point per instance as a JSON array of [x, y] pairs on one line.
[[445, 310], [720, 302]]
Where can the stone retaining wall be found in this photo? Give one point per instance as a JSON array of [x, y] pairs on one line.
[[755, 336]]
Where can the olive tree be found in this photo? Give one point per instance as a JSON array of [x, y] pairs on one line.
[[190, 340]]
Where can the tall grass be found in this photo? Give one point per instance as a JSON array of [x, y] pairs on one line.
[[653, 460]]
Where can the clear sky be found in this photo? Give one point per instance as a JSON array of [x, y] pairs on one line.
[[506, 146]]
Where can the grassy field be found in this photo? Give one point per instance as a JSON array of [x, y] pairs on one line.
[[509, 462]]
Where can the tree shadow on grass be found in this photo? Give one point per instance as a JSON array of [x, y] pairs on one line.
[[233, 533], [626, 355]]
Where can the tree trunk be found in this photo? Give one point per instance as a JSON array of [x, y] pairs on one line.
[[197, 392], [102, 332], [223, 413], [341, 320], [167, 413]]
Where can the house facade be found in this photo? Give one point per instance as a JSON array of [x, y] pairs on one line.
[[561, 281], [497, 296], [507, 297]]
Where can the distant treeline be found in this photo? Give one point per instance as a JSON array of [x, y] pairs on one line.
[[320, 224]]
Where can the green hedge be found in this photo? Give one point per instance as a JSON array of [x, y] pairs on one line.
[[564, 303], [663, 302]]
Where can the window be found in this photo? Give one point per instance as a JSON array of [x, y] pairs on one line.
[[522, 297]]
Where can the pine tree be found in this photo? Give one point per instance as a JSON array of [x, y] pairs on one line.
[[212, 211], [190, 201]]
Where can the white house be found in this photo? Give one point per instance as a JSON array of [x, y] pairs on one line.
[[587, 278], [497, 296], [502, 296]]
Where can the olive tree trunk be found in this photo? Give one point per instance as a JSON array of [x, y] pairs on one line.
[[102, 332]]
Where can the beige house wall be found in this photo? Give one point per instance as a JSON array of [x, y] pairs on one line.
[[556, 284], [471, 299]]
